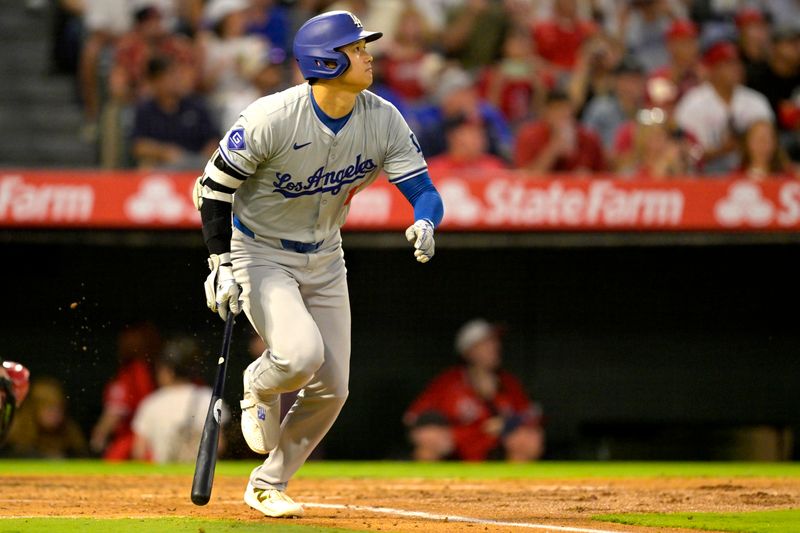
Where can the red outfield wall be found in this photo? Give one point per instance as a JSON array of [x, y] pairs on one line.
[[496, 202]]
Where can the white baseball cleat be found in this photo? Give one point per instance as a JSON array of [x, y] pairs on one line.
[[272, 502], [260, 419]]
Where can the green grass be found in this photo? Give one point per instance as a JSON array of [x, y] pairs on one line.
[[149, 525], [758, 522], [391, 470]]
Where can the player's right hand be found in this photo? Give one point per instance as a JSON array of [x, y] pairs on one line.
[[222, 291]]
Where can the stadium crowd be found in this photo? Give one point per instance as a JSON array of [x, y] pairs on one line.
[[641, 88]]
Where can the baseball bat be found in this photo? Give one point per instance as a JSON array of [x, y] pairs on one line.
[[209, 440]]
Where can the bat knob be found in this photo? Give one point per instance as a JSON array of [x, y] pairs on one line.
[[200, 499]]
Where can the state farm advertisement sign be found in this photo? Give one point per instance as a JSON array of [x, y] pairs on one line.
[[496, 202], [96, 199], [512, 203]]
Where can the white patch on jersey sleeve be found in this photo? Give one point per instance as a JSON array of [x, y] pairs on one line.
[[246, 144], [404, 159]]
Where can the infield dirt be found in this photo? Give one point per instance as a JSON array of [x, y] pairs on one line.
[[569, 502]]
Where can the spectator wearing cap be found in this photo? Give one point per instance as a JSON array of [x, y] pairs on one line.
[[477, 410], [779, 78], [558, 143], [466, 151], [230, 57], [168, 422], [718, 111], [754, 40], [171, 129], [605, 114], [683, 67]]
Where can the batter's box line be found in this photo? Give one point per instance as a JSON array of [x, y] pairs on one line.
[[453, 518]]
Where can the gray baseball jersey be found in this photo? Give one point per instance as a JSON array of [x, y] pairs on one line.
[[302, 176]]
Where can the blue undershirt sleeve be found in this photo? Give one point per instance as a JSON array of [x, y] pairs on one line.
[[423, 196]]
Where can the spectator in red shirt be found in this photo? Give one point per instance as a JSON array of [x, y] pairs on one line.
[[112, 435], [558, 40], [684, 57], [467, 151], [475, 411], [558, 143]]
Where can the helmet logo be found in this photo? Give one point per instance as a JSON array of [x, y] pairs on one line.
[[356, 21]]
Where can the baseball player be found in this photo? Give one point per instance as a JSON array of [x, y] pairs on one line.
[[294, 160]]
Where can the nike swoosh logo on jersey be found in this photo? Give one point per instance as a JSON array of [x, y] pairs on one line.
[[298, 146]]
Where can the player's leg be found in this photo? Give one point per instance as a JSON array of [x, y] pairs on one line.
[[274, 305], [319, 403]]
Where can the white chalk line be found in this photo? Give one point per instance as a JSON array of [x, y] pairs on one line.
[[398, 512], [453, 518]]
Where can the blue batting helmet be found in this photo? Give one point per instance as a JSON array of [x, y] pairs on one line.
[[317, 41]]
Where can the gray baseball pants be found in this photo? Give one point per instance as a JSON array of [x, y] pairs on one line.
[[299, 304]]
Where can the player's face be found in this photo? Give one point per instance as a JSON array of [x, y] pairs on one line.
[[359, 75]]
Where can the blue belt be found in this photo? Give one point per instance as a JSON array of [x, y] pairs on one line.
[[293, 246]]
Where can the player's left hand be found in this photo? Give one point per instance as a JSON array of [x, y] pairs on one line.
[[222, 291], [421, 234]]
